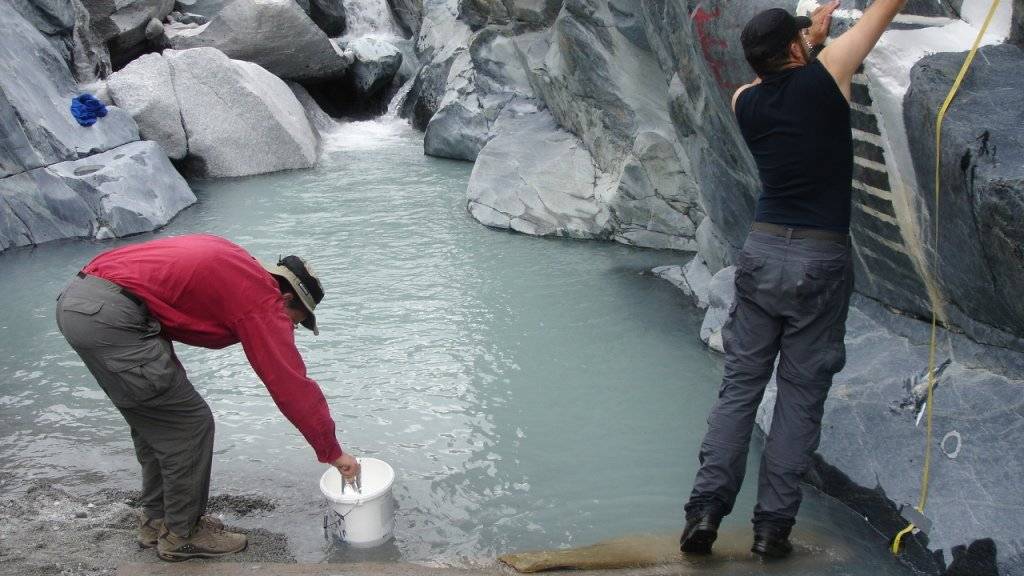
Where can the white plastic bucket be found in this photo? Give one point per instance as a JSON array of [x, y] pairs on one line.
[[367, 516]]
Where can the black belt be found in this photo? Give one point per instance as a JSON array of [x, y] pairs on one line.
[[787, 232], [125, 293]]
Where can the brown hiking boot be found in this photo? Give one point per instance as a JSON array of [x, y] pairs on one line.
[[149, 530], [208, 540]]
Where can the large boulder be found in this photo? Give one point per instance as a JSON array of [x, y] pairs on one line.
[[329, 15], [127, 190], [144, 88], [536, 178], [408, 14], [482, 80], [376, 63], [36, 88], [980, 266], [276, 34], [239, 119], [121, 24]]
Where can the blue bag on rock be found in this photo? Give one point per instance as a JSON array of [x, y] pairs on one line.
[[87, 109]]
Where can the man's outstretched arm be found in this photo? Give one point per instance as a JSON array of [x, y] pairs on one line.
[[843, 56]]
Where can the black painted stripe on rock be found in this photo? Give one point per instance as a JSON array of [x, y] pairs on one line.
[[874, 202], [868, 151], [881, 228], [895, 268], [861, 95], [864, 122], [871, 177]]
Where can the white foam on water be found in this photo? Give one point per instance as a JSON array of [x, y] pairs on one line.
[[369, 18], [373, 134]]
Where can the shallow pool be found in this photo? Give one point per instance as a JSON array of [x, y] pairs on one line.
[[529, 392]]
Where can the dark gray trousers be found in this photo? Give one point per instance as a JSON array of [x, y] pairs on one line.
[[171, 425], [792, 298]]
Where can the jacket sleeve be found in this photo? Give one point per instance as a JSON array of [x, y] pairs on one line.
[[269, 344]]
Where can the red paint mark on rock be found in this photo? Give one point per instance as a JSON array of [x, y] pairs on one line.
[[711, 44]]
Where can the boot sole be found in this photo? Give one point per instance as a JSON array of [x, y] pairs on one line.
[[182, 556], [146, 545], [699, 542]]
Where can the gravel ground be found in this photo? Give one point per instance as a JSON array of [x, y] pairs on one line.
[[47, 532]]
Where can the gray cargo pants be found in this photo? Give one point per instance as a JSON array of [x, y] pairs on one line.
[[171, 424], [792, 298]]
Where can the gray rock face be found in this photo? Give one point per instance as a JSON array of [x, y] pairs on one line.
[[694, 279], [981, 259], [127, 190], [1017, 29], [537, 12], [871, 449], [721, 298], [35, 97], [239, 119], [537, 179], [329, 15], [276, 34], [481, 82], [408, 14], [376, 63], [122, 24], [145, 90]]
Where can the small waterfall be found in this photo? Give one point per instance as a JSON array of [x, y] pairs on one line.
[[396, 101], [369, 18]]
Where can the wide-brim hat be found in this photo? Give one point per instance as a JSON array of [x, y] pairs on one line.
[[771, 31], [304, 283]]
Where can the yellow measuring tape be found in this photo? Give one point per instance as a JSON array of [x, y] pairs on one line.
[[931, 353]]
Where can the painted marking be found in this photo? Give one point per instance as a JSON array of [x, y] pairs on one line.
[[868, 137], [871, 164], [861, 108], [867, 189], [878, 215], [899, 248]]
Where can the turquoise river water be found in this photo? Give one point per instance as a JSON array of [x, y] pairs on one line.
[[530, 393]]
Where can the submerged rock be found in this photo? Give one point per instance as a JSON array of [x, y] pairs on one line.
[[239, 119], [144, 88], [276, 34]]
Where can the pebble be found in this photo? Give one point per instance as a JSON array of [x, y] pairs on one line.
[[81, 514]]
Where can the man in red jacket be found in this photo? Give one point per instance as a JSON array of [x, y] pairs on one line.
[[121, 314]]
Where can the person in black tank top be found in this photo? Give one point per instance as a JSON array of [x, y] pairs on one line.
[[794, 276]]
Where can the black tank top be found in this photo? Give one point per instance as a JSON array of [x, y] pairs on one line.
[[797, 125]]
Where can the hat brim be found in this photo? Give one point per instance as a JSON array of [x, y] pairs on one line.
[[304, 296]]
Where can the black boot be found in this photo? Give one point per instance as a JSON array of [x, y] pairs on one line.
[[699, 534], [771, 542]]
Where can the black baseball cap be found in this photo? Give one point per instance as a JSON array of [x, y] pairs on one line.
[[770, 32], [304, 283]]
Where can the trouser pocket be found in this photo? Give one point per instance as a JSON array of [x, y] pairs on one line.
[[140, 375]]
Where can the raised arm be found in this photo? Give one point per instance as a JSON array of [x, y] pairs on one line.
[[843, 56]]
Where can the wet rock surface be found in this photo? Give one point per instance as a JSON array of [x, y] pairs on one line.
[[871, 434], [376, 63], [48, 531]]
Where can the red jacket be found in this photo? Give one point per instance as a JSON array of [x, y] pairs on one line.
[[209, 292]]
